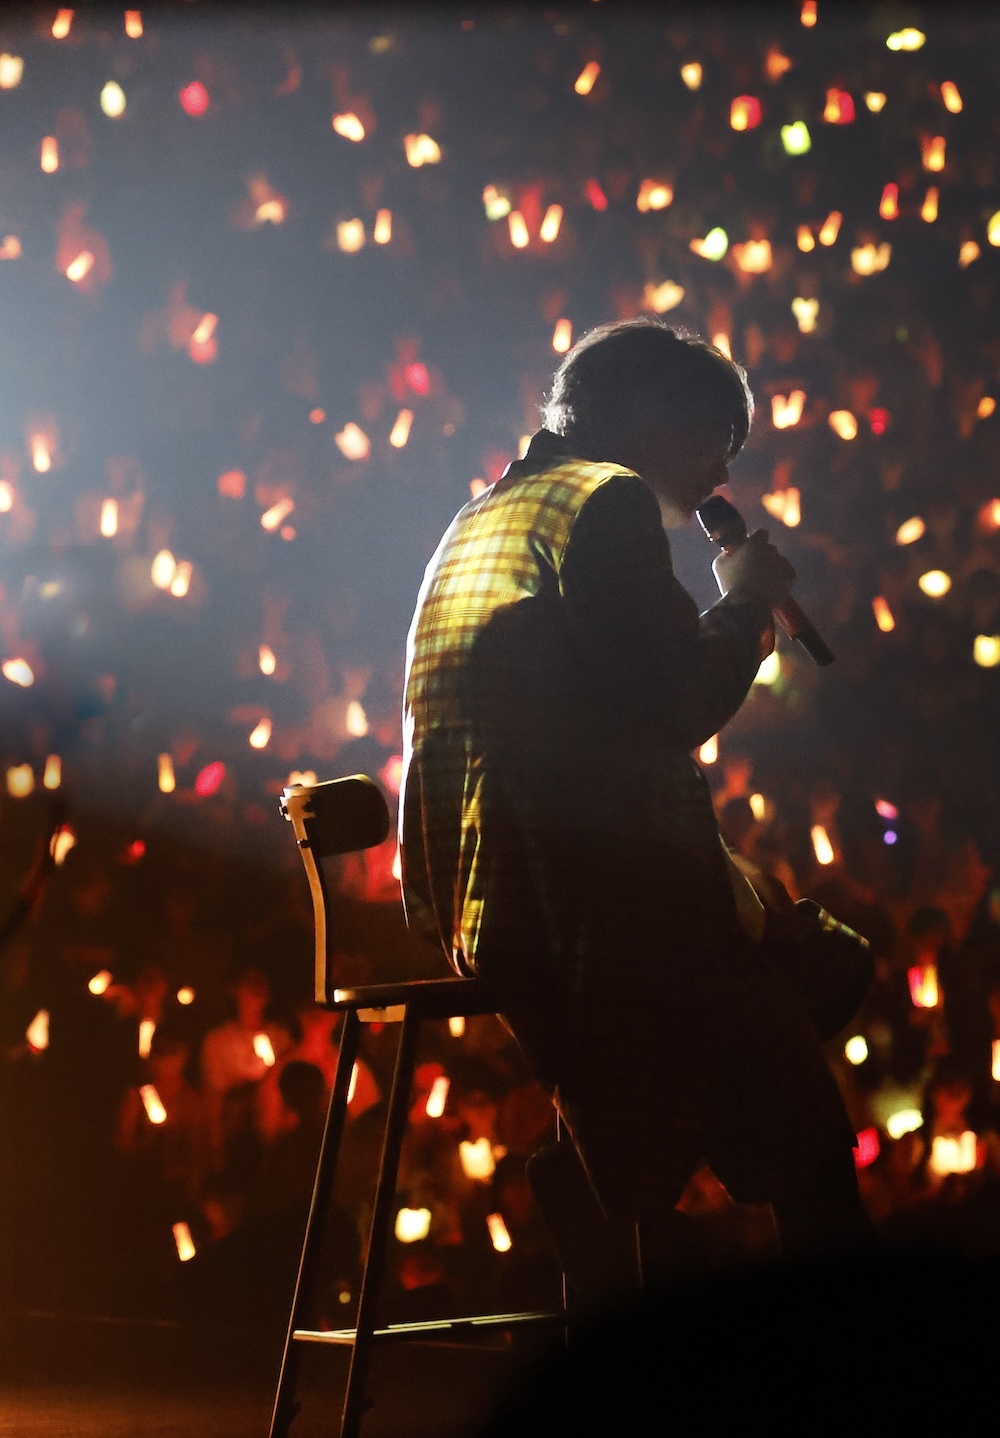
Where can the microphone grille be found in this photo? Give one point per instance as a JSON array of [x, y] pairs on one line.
[[717, 516]]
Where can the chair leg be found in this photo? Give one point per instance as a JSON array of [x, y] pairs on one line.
[[285, 1406], [355, 1398], [562, 1137]]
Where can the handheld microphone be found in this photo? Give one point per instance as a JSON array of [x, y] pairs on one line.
[[726, 527]]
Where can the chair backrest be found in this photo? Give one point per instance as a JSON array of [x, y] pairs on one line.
[[340, 816]]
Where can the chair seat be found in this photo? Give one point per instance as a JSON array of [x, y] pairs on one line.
[[451, 1330], [431, 998]]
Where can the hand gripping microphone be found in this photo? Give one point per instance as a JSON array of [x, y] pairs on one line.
[[725, 526]]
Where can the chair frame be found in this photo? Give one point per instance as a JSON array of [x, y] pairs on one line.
[[338, 817]]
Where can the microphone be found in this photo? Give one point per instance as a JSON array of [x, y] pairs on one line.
[[726, 527]]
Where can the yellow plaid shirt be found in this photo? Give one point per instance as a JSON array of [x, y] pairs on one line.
[[507, 549]]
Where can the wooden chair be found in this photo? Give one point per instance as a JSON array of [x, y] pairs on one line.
[[339, 817]]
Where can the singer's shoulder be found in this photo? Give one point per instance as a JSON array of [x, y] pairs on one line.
[[618, 529], [622, 497]]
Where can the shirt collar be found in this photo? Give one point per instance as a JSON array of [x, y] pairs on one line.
[[543, 448]]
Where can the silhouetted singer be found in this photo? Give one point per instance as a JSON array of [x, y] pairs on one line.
[[558, 837]]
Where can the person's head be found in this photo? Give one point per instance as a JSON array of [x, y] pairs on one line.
[[922, 805], [316, 1024], [150, 987], [251, 993], [303, 1089], [929, 931], [666, 404]]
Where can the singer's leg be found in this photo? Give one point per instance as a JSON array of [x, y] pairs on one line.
[[818, 1208], [597, 1254]]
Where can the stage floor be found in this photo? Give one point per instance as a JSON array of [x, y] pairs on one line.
[[90, 1378], [782, 1347]]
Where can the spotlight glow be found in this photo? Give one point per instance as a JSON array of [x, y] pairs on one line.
[[421, 150], [562, 336], [661, 298], [903, 1121], [709, 751], [908, 39], [194, 99], [932, 152], [830, 228], [822, 847], [869, 259], [184, 1242], [412, 1224], [496, 204], [796, 138], [349, 126], [476, 1158], [654, 195], [769, 669], [986, 650], [883, 614], [438, 1097], [400, 432], [153, 1104], [856, 1049], [264, 1050], [37, 1032], [843, 423], [923, 982], [11, 70], [954, 1155], [352, 442], [745, 112], [713, 246], [935, 583], [805, 312], [499, 1235], [519, 236], [261, 736], [786, 410], [113, 100], [587, 78], [910, 530], [18, 671], [549, 230]]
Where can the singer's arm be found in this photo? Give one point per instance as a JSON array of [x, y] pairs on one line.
[[637, 634]]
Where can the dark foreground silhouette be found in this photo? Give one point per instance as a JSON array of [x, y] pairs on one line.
[[848, 1346]]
